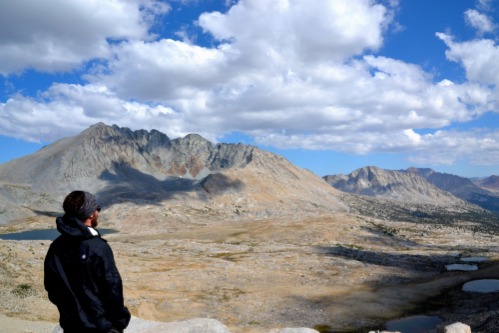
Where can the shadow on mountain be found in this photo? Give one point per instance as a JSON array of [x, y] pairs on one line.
[[47, 213], [127, 183], [488, 202]]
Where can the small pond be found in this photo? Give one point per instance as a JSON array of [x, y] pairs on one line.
[[414, 324], [44, 234], [461, 267], [482, 286], [474, 259]]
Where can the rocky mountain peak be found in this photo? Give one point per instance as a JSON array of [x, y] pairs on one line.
[[376, 182], [115, 162], [424, 172], [461, 187], [491, 182], [102, 151]]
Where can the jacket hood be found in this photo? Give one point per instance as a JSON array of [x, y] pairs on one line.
[[71, 226]]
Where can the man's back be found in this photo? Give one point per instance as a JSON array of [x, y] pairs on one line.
[[82, 280]]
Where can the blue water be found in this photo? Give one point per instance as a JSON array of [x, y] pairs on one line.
[[474, 259], [482, 286], [414, 324], [461, 267], [45, 234]]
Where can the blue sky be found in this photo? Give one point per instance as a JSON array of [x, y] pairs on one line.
[[330, 85]]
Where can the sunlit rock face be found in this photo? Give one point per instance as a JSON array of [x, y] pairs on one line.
[[197, 325], [457, 328], [137, 325]]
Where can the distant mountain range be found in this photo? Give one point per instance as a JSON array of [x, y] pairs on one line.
[[460, 187], [376, 182], [417, 185], [489, 183], [234, 180]]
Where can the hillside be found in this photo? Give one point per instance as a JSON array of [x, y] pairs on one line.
[[490, 183], [376, 182], [119, 164], [461, 187]]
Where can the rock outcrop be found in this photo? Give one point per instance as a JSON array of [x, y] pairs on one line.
[[457, 328], [197, 325]]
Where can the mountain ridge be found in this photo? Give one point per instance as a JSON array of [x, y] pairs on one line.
[[387, 184], [461, 187], [488, 183], [115, 163]]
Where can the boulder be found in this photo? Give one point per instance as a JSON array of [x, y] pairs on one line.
[[198, 325], [457, 328], [298, 330]]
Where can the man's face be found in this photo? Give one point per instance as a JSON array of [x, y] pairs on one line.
[[94, 219]]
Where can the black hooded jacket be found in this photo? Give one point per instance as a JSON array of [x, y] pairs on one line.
[[82, 280]]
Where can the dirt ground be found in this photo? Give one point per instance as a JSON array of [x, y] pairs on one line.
[[341, 271]]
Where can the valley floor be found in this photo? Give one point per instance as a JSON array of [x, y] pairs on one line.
[[343, 271]]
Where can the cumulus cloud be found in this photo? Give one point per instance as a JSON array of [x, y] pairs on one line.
[[303, 30], [479, 57], [479, 21], [58, 35], [484, 4], [67, 109], [290, 74], [479, 146]]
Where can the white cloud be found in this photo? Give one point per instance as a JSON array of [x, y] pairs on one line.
[[58, 35], [479, 57], [291, 74], [481, 22], [479, 147], [484, 4], [303, 30], [72, 108]]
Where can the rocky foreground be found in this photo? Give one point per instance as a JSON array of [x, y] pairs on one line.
[[213, 326], [242, 236], [331, 272]]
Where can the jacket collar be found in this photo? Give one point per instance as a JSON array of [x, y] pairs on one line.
[[71, 226]]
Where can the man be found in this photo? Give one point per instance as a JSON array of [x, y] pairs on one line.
[[81, 277]]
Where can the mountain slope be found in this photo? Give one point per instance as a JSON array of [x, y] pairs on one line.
[[460, 187], [490, 183], [103, 152], [119, 164], [376, 182]]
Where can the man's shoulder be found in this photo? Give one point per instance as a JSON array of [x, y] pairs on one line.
[[97, 245], [96, 242]]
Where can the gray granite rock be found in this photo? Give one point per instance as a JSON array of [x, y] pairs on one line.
[[197, 325], [457, 328], [298, 330]]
